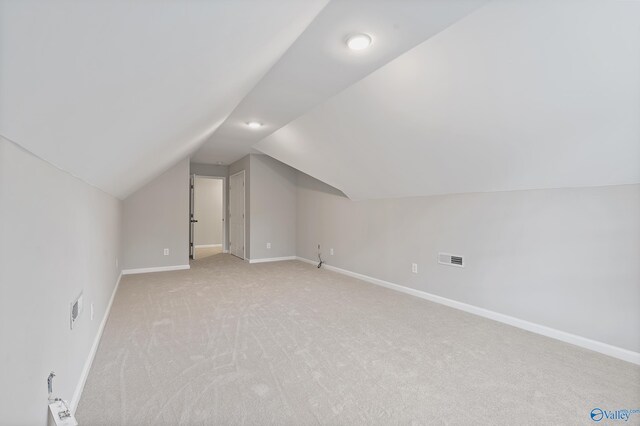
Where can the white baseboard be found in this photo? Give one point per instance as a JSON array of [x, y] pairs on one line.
[[594, 345], [272, 259], [309, 261], [92, 353], [156, 269], [208, 245]]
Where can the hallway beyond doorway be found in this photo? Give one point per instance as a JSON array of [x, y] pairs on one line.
[[202, 252]]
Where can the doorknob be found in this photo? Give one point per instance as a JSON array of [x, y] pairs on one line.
[[193, 221]]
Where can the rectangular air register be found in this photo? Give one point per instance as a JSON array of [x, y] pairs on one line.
[[76, 310], [451, 259]]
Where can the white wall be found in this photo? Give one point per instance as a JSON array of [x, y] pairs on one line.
[[270, 206], [209, 170], [563, 258], [240, 165], [273, 208], [58, 237], [208, 211], [157, 217]]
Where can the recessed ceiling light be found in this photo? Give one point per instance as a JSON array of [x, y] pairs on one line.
[[254, 124], [358, 41], [219, 163]]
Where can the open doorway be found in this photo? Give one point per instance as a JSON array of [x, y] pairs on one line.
[[207, 219]]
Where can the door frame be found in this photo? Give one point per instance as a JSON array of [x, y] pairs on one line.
[[244, 209], [224, 208], [192, 209]]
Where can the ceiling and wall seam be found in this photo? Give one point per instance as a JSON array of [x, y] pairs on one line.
[[523, 106], [23, 149], [319, 66], [117, 108]]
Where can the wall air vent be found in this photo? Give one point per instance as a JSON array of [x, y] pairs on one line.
[[451, 259], [76, 310]]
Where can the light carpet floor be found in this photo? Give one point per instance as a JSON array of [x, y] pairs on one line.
[[284, 343], [202, 252]]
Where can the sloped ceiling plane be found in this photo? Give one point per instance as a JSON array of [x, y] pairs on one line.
[[451, 96]]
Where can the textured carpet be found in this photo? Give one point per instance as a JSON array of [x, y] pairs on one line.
[[202, 252], [284, 343]]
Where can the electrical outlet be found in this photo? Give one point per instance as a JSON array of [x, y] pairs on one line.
[[331, 251], [92, 312], [166, 252], [268, 245], [414, 268]]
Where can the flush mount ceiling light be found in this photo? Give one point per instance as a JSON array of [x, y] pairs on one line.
[[358, 41], [254, 124]]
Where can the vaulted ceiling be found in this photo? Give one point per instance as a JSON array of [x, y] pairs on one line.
[[452, 96], [517, 95], [115, 92], [318, 65]]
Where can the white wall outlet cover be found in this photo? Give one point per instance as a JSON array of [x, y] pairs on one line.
[[414, 268], [166, 252], [268, 245], [57, 407], [331, 251], [92, 312]]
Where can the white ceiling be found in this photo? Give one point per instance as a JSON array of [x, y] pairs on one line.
[[318, 65], [115, 92], [517, 95], [501, 96]]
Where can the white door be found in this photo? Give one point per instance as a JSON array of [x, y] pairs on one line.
[[236, 214]]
